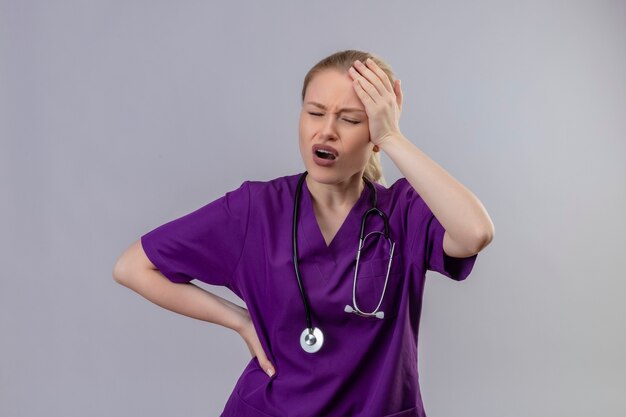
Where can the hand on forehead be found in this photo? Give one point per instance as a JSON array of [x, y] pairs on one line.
[[382, 101], [332, 90]]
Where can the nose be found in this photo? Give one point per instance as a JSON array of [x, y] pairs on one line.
[[328, 129]]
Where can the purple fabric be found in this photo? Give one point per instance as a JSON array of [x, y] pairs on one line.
[[367, 367]]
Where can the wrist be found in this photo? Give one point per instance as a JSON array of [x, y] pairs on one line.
[[242, 320], [389, 140]]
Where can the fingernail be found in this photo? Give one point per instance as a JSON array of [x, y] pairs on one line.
[[270, 372]]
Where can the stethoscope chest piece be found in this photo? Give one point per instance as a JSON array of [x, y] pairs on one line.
[[311, 341]]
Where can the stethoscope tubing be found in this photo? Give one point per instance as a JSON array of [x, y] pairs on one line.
[[312, 338], [295, 251]]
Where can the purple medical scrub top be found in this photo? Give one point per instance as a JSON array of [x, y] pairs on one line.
[[367, 367]]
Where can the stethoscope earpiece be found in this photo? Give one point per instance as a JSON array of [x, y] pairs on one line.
[[379, 314]]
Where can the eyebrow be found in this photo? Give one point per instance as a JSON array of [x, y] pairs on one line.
[[348, 109]]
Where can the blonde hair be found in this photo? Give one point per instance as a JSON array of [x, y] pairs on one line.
[[342, 61]]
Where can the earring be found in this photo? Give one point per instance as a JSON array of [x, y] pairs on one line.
[[376, 148]]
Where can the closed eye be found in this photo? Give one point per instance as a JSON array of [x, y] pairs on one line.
[[354, 122]]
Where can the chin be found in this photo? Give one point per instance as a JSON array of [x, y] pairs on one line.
[[328, 175], [321, 174]]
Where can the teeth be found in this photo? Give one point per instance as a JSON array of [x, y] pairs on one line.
[[329, 155]]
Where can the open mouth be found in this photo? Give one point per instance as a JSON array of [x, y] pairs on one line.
[[324, 154]]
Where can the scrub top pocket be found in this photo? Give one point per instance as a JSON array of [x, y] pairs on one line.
[[371, 281]]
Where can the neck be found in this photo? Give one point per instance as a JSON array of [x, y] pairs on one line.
[[338, 195]]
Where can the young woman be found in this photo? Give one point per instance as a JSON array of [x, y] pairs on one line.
[[330, 262]]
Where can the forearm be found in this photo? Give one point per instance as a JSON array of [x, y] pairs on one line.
[[186, 299], [458, 210]]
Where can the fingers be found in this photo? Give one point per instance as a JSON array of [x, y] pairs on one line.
[[364, 95], [256, 349], [265, 364], [374, 75], [365, 90]]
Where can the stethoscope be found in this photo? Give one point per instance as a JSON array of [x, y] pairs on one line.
[[312, 338]]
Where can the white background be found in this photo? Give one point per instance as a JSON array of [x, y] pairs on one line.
[[117, 116]]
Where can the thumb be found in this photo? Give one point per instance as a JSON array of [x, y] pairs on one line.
[[398, 91]]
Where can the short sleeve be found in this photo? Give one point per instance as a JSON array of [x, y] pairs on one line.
[[425, 234], [205, 244], [437, 260]]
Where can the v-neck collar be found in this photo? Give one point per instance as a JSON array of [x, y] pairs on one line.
[[346, 238]]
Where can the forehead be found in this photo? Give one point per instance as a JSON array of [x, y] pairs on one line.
[[333, 88]]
